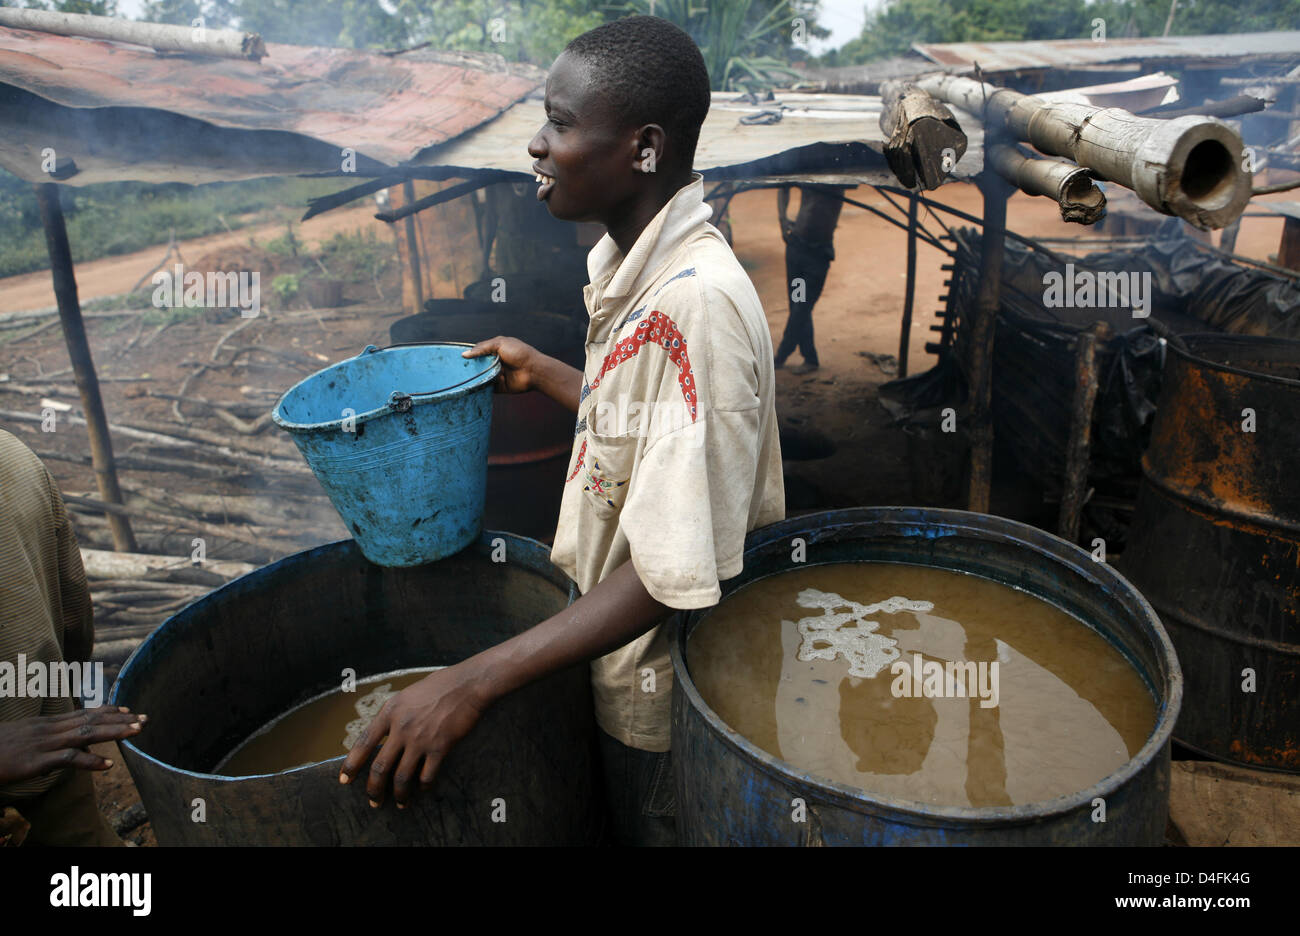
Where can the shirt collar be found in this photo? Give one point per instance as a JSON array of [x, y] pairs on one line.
[[684, 212]]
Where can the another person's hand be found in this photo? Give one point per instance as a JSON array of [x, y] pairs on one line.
[[417, 727], [521, 364], [33, 747]]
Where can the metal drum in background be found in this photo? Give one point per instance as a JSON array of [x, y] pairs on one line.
[[731, 792], [1215, 542], [532, 435], [250, 651]]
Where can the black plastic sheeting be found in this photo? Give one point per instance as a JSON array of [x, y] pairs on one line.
[[1191, 290]]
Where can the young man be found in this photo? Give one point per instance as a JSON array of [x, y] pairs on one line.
[[675, 455]]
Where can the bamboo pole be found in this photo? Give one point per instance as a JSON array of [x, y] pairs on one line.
[[1071, 187], [83, 365], [221, 43], [923, 139], [1189, 167]]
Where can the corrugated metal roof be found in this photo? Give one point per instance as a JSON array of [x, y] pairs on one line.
[[387, 108], [1059, 53], [834, 136]]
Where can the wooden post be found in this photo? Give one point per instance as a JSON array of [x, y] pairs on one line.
[[1288, 251], [1074, 486], [980, 366], [909, 297], [413, 246], [83, 366]]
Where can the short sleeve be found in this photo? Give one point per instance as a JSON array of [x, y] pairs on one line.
[[688, 507], [690, 495]]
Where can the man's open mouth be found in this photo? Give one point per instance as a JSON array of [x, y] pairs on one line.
[[545, 184]]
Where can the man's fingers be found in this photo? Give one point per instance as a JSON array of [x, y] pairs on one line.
[[487, 346], [381, 769], [92, 732], [364, 747], [72, 757], [430, 771], [103, 713], [405, 777]]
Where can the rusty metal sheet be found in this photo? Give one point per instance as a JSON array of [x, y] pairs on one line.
[[1063, 53], [386, 107]]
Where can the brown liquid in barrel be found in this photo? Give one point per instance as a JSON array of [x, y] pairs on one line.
[[1071, 710], [317, 730]]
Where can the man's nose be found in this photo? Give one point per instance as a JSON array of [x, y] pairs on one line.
[[537, 146]]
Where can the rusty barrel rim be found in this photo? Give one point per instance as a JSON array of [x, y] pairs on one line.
[[1203, 341], [929, 523]]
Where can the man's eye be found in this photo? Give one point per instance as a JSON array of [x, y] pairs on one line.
[[554, 122]]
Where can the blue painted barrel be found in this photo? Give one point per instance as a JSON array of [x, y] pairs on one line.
[[261, 645], [398, 438], [730, 792]]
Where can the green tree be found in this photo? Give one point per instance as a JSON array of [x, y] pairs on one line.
[[894, 28]]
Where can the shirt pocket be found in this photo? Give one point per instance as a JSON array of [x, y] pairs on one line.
[[607, 470]]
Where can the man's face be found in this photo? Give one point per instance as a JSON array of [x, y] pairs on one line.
[[587, 156]]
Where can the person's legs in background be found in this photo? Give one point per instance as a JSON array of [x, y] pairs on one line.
[[809, 251]]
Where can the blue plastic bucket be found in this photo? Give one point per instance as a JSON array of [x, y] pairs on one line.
[[398, 438]]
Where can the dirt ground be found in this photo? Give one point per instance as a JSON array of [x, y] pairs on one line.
[[858, 314]]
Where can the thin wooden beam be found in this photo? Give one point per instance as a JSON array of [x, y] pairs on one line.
[[909, 297], [980, 366], [83, 365]]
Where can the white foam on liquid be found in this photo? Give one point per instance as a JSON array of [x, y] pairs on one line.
[[825, 637]]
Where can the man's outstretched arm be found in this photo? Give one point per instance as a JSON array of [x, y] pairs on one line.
[[423, 722]]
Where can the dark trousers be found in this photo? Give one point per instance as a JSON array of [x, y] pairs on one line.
[[809, 251], [67, 814], [640, 794]]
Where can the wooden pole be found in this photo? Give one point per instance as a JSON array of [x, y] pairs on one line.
[[980, 366], [413, 245], [905, 337], [1074, 487], [83, 365]]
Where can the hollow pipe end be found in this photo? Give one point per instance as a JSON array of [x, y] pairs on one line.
[[1192, 167]]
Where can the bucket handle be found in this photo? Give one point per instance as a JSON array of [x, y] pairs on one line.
[[402, 402]]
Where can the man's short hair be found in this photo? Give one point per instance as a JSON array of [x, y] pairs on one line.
[[651, 72]]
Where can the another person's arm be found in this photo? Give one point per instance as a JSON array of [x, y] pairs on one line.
[[33, 747], [423, 722]]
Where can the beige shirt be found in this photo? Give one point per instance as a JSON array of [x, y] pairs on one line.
[[675, 455]]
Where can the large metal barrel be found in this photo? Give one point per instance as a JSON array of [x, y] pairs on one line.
[[255, 648], [730, 792], [1215, 542], [532, 435]]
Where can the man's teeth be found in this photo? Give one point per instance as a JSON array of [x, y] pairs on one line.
[[543, 178]]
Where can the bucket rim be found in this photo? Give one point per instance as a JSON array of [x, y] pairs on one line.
[[468, 386], [950, 522], [536, 555]]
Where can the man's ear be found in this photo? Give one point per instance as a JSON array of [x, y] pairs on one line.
[[651, 141]]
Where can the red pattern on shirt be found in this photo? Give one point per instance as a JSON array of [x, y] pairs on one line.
[[577, 466], [657, 329]]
